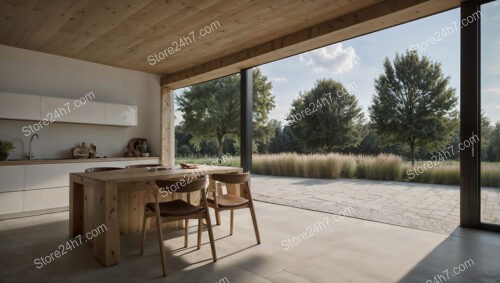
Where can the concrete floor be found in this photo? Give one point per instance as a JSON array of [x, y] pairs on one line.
[[340, 250]]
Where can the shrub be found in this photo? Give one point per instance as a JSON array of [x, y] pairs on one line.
[[490, 174], [331, 166], [380, 167]]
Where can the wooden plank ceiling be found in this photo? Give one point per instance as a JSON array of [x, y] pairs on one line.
[[123, 33]]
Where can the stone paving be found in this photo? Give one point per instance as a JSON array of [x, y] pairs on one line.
[[427, 207]]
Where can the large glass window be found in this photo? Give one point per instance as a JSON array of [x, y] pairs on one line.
[[490, 113]]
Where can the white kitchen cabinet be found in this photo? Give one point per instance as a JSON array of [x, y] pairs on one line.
[[89, 113], [57, 175], [46, 198], [54, 109], [11, 202], [50, 175], [11, 178], [25, 188], [120, 115], [19, 106]]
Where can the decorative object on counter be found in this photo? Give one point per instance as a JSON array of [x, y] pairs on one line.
[[143, 147], [81, 151], [134, 147], [5, 147], [93, 151]]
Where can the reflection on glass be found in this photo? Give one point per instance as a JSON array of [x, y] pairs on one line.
[[490, 116]]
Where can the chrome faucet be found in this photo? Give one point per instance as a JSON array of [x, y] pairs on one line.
[[30, 156]]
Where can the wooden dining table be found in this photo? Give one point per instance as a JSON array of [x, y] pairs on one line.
[[116, 200]]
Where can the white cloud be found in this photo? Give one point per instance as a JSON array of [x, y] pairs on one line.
[[493, 90], [334, 58], [279, 79], [492, 107]]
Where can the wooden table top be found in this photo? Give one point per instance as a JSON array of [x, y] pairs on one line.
[[143, 174]]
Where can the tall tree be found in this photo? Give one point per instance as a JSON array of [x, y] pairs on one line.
[[494, 144], [413, 105], [486, 130], [211, 110], [276, 130], [282, 141], [326, 117]]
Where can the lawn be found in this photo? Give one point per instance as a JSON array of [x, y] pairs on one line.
[[335, 166]]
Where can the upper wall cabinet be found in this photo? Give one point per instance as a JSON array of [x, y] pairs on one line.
[[123, 115], [69, 111], [19, 106], [53, 109]]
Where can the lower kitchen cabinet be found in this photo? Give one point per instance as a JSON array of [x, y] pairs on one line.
[[11, 202], [46, 198], [38, 187]]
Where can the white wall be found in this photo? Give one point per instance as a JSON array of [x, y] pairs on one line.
[[31, 72]]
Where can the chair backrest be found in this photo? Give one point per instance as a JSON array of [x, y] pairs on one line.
[[143, 165], [183, 185], [100, 169], [231, 178]]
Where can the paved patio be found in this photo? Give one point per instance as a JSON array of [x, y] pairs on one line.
[[427, 207]]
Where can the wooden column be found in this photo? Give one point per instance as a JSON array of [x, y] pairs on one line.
[[167, 127], [167, 157]]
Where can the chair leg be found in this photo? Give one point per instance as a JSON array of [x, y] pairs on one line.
[[211, 236], [162, 248], [254, 220], [232, 222], [200, 225], [186, 232], [217, 217], [143, 237]]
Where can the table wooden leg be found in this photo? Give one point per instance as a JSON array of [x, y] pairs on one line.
[[106, 246], [75, 207], [88, 205]]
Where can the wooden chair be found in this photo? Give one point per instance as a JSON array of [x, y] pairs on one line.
[[100, 169], [178, 210], [231, 201], [143, 165]]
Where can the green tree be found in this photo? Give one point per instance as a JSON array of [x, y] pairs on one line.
[[486, 130], [494, 144], [326, 117], [282, 141], [370, 144], [413, 105], [276, 130], [211, 110]]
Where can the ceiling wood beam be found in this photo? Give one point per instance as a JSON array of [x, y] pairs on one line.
[[376, 17]]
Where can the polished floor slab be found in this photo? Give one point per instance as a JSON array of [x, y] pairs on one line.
[[298, 246]]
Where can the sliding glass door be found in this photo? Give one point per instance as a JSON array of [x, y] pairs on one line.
[[489, 18]]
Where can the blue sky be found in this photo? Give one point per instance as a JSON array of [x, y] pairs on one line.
[[357, 62]]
